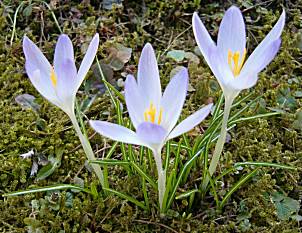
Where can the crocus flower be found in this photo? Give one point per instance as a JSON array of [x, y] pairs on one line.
[[227, 58], [153, 114], [227, 61], [59, 83]]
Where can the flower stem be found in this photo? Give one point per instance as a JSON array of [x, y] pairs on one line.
[[161, 182], [220, 142], [87, 149]]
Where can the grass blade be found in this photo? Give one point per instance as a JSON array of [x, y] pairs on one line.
[[45, 189], [111, 162], [143, 174], [126, 197], [237, 186], [265, 164]]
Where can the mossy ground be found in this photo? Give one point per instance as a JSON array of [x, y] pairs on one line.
[[166, 25]]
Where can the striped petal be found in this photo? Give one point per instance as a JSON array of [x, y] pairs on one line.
[[63, 51], [231, 35], [148, 76]]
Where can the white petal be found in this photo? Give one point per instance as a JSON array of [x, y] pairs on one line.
[[174, 98], [249, 74], [231, 35], [148, 76], [135, 101], [38, 69], [116, 132], [190, 122], [63, 51], [88, 59], [202, 37], [272, 36]]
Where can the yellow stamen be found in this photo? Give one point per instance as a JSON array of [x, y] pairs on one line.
[[230, 56], [53, 77], [150, 114], [160, 115], [233, 61]]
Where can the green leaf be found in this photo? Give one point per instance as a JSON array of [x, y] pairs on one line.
[[286, 100], [285, 206], [264, 164], [243, 180], [45, 189], [176, 55], [55, 162], [126, 197], [186, 194]]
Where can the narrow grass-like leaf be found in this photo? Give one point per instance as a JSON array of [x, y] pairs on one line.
[[237, 186], [126, 197], [167, 159], [143, 174], [212, 183], [186, 194], [265, 164], [182, 172], [112, 150], [255, 117], [110, 162], [144, 187], [47, 188]]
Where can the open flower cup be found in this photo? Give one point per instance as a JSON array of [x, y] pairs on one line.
[[59, 83], [227, 61], [154, 115]]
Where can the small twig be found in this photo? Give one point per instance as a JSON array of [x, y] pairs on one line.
[[155, 223]]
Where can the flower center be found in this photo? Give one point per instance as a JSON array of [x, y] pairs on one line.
[[53, 77], [150, 114], [234, 63]]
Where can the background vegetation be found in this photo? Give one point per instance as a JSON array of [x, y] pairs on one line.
[[270, 202]]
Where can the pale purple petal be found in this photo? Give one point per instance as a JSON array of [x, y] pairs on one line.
[[249, 74], [231, 35], [66, 81], [202, 37], [220, 70], [272, 36], [36, 60], [47, 91], [116, 132], [174, 98], [88, 59], [63, 51], [135, 101], [148, 76], [212, 55], [151, 133], [38, 69], [190, 122]]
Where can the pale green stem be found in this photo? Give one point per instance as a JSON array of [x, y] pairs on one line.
[[220, 142], [87, 148], [161, 182]]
